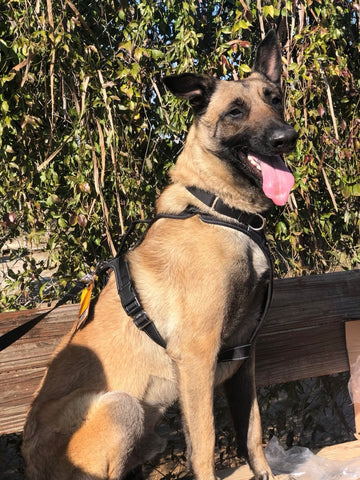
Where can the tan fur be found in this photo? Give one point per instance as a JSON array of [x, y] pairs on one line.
[[108, 384]]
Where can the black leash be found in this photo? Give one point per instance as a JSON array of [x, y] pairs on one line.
[[16, 333], [13, 335]]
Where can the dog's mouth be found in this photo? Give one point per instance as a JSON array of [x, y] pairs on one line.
[[276, 179]]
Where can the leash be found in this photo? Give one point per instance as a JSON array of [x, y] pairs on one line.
[[85, 285], [16, 333]]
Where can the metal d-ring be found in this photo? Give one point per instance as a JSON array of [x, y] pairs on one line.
[[262, 224]]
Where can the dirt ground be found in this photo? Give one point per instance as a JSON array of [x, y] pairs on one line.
[[312, 413]]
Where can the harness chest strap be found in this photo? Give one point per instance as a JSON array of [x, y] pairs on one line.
[[129, 299], [132, 305]]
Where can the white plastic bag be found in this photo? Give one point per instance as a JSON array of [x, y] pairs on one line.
[[301, 463]]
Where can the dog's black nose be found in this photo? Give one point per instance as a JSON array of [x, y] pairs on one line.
[[283, 138]]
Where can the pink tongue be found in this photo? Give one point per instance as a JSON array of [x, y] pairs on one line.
[[277, 178]]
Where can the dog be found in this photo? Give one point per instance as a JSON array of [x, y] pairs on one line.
[[202, 283]]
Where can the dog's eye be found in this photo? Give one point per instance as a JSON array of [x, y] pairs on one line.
[[235, 113], [272, 98]]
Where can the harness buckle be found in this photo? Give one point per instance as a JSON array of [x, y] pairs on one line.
[[133, 308], [141, 320]]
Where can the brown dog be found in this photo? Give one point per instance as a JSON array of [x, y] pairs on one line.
[[202, 284]]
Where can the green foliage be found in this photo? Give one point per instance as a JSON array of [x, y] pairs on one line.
[[321, 230], [87, 131]]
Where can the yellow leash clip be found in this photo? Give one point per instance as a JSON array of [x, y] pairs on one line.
[[85, 300]]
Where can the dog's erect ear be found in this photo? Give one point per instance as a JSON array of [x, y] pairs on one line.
[[193, 87], [268, 58]]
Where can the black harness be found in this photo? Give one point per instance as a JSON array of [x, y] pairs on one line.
[[249, 224]]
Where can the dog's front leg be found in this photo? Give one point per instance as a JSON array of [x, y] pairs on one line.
[[240, 390], [196, 384]]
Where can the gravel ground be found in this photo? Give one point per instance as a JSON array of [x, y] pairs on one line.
[[11, 462], [312, 413]]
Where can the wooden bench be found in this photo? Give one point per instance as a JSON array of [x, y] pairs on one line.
[[303, 336], [312, 329]]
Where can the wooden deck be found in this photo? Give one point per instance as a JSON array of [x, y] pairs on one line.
[[303, 336]]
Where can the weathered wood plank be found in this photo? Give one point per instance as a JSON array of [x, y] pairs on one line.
[[303, 336], [17, 398], [293, 355], [315, 299], [23, 364]]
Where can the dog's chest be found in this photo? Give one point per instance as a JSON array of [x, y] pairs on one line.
[[247, 283]]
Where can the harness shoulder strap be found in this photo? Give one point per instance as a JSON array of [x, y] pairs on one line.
[[126, 290], [176, 216], [257, 235]]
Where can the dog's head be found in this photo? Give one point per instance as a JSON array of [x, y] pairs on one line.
[[242, 122]]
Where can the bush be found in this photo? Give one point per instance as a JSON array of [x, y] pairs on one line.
[[87, 131]]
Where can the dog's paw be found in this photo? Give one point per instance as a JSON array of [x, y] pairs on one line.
[[269, 476], [264, 476]]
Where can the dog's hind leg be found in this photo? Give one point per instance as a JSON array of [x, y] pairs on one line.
[[103, 444], [240, 390]]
